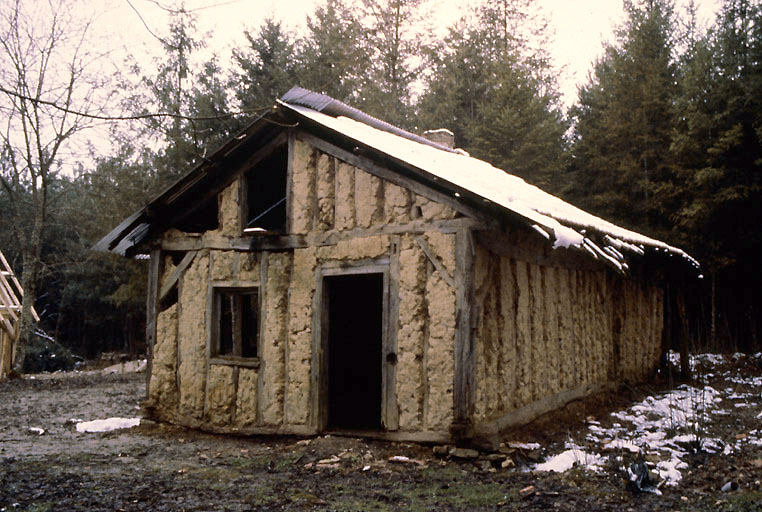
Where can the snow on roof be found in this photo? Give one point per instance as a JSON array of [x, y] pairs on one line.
[[564, 224]]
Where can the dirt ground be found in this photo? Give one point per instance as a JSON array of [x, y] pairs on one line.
[[160, 467]]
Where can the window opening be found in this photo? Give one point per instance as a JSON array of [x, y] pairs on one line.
[[237, 320], [266, 193]]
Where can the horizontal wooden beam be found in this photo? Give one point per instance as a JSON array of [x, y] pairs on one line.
[[315, 239]]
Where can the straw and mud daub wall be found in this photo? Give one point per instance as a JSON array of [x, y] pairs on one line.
[[552, 328], [472, 331]]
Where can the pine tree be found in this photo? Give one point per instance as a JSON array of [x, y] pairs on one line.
[[624, 120], [266, 67], [330, 59], [396, 43], [494, 89]]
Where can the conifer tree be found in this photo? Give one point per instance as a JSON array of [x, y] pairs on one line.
[[266, 67], [624, 120], [396, 41], [496, 92], [331, 60]]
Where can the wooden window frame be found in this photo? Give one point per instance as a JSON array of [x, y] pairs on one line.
[[235, 357]]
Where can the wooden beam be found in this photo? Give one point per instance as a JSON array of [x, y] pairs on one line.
[[435, 261], [17, 284], [152, 311], [172, 281], [288, 242], [463, 385], [391, 413]]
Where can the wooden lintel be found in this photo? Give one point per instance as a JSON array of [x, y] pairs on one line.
[[434, 259], [176, 273], [288, 242]]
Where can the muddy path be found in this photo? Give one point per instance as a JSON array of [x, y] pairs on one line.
[[160, 467]]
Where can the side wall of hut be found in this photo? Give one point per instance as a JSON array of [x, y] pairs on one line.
[[553, 327], [345, 218]]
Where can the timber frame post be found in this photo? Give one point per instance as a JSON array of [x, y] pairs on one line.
[[463, 395], [152, 311]]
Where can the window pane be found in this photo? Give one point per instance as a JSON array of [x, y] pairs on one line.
[[249, 324], [226, 324]]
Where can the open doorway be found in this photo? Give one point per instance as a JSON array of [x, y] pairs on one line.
[[354, 328]]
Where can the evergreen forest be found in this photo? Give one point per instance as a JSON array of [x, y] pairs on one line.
[[665, 136]]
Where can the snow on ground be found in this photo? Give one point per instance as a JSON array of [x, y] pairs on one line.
[[107, 424], [668, 426]]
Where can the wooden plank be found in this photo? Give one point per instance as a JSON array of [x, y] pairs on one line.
[[264, 265], [391, 409], [18, 285], [530, 248], [152, 311], [288, 242], [179, 270], [384, 173], [435, 261], [463, 391], [291, 137], [243, 362], [318, 413]]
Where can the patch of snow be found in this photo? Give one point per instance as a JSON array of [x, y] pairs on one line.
[[107, 424], [523, 446], [574, 456], [620, 444]]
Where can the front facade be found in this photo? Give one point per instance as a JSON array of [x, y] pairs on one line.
[[308, 281]]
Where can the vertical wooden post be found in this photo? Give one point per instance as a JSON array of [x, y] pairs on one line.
[[463, 395], [152, 310], [391, 324]]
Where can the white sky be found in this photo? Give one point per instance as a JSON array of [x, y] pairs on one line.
[[580, 26]]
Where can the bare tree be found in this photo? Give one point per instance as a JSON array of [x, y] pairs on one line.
[[48, 91]]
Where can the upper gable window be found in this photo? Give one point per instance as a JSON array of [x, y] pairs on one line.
[[265, 186]]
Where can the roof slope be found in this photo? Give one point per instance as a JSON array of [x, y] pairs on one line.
[[564, 224], [454, 171]]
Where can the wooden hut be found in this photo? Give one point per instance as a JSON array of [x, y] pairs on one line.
[[11, 295], [325, 271]]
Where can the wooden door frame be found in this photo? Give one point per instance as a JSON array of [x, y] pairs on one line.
[[321, 338]]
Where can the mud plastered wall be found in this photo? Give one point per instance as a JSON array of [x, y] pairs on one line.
[[329, 195], [547, 329]]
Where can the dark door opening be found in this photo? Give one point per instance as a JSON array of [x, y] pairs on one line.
[[355, 315]]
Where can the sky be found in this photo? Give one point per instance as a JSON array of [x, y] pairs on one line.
[[580, 26]]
